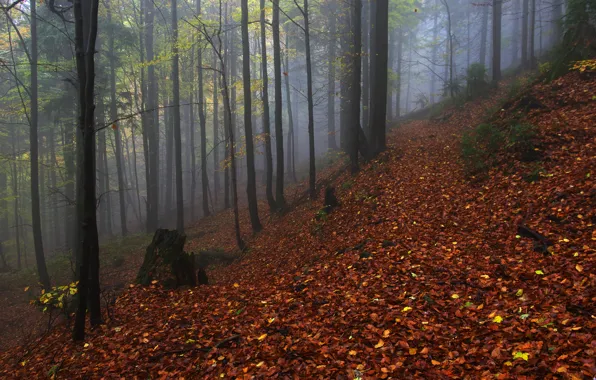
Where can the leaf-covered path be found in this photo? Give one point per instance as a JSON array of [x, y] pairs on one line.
[[419, 274]]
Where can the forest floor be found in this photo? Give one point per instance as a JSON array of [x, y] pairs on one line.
[[420, 273]]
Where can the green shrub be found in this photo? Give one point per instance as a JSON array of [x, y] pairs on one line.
[[476, 78]]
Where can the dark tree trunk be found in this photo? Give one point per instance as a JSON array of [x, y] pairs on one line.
[[365, 70], [331, 138], [88, 286], [496, 67], [532, 32], [378, 113], [251, 187], [176, 121], [356, 89], [266, 114], [279, 138], [312, 175], [40, 260], [515, 32], [153, 125]]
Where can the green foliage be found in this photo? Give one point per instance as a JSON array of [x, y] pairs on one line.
[[347, 185], [481, 146], [59, 297], [476, 79]]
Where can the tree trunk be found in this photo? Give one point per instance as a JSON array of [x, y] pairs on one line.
[[515, 32], [484, 35], [88, 286], [116, 127], [312, 176], [279, 138], [176, 120], [40, 260], [365, 25], [400, 44], [378, 112], [291, 151], [531, 46], [524, 35], [215, 133], [203, 127], [153, 125], [266, 114], [496, 69], [251, 187], [356, 89], [331, 134]]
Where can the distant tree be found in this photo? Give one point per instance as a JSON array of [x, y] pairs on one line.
[[496, 66], [356, 86]]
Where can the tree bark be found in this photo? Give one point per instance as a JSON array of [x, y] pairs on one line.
[[331, 134], [176, 121], [153, 121], [203, 127], [291, 149], [524, 35], [279, 138], [266, 114], [484, 35], [40, 260], [496, 67], [312, 175], [378, 112], [251, 187], [356, 89]]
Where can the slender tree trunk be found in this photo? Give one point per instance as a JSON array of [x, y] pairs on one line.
[[400, 44], [365, 70], [54, 184], [331, 134], [515, 32], [266, 114], [532, 33], [484, 35], [191, 137], [291, 151], [40, 260], [496, 67], [390, 82], [312, 175], [114, 115], [15, 194], [203, 126], [279, 139], [215, 132], [524, 35], [356, 89], [251, 187], [176, 120], [153, 121], [378, 111]]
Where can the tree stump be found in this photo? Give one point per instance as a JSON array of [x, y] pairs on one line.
[[166, 262]]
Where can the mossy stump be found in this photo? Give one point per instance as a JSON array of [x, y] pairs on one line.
[[166, 262]]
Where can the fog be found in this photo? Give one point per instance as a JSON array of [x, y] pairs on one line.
[[431, 45]]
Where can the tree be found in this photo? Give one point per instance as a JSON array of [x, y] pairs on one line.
[[496, 66], [378, 108], [85, 19], [203, 127], [312, 178], [266, 115], [176, 121], [42, 270], [524, 35], [331, 138], [251, 187], [114, 116], [356, 88], [279, 138]]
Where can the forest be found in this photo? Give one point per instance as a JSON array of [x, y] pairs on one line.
[[436, 153]]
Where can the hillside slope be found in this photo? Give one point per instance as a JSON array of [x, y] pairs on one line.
[[419, 274]]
